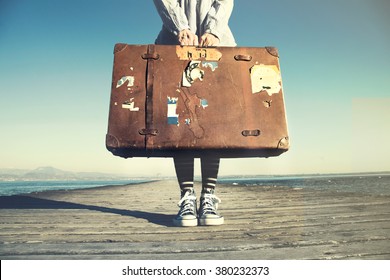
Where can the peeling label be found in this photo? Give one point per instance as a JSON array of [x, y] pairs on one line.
[[195, 53], [124, 79], [173, 118], [204, 103], [267, 103], [211, 64], [192, 73], [265, 78], [130, 105], [192, 102]]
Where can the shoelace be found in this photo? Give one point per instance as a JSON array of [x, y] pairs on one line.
[[186, 203], [210, 203]]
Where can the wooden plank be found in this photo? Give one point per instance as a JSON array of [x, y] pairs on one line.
[[135, 222]]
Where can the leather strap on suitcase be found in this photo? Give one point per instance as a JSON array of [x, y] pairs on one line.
[[149, 131]]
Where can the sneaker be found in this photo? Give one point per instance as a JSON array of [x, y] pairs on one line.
[[187, 216], [208, 215]]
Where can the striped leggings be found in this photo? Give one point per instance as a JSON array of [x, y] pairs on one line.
[[185, 171]]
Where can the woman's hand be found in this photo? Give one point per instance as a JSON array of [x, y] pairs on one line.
[[187, 38], [208, 40]]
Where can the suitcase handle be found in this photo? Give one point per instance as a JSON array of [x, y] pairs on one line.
[[243, 57], [254, 132]]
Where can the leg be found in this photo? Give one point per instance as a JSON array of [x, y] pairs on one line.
[[184, 167], [208, 215], [187, 215], [209, 168]]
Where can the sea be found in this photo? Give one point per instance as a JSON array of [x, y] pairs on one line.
[[8, 188], [376, 184]]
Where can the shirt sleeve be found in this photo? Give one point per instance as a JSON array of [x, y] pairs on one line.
[[172, 15], [218, 17]]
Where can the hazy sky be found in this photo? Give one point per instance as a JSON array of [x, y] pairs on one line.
[[56, 66]]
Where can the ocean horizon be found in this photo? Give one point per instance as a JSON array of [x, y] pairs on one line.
[[368, 183], [8, 188]]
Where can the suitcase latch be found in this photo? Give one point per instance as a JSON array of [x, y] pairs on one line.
[[153, 56], [254, 132], [243, 57], [146, 131]]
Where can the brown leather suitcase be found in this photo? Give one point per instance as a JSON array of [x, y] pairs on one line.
[[225, 101]]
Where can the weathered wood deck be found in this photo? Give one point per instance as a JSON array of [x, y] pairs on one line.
[[134, 222]]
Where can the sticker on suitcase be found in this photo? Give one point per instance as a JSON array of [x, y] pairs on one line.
[[130, 105], [195, 72], [173, 118], [192, 73], [196, 53], [265, 78], [123, 80], [210, 64], [192, 102], [203, 103]]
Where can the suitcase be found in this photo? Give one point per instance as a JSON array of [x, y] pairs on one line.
[[220, 101]]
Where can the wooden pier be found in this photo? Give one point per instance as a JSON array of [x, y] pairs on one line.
[[135, 222]]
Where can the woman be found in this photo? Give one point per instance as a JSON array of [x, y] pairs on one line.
[[201, 23]]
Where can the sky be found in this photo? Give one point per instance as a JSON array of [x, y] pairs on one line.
[[56, 66]]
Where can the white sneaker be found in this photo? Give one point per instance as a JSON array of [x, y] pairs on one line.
[[208, 215], [187, 216]]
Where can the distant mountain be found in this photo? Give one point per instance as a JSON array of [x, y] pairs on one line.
[[51, 173], [48, 172]]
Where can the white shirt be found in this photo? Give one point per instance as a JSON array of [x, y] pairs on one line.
[[200, 16]]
